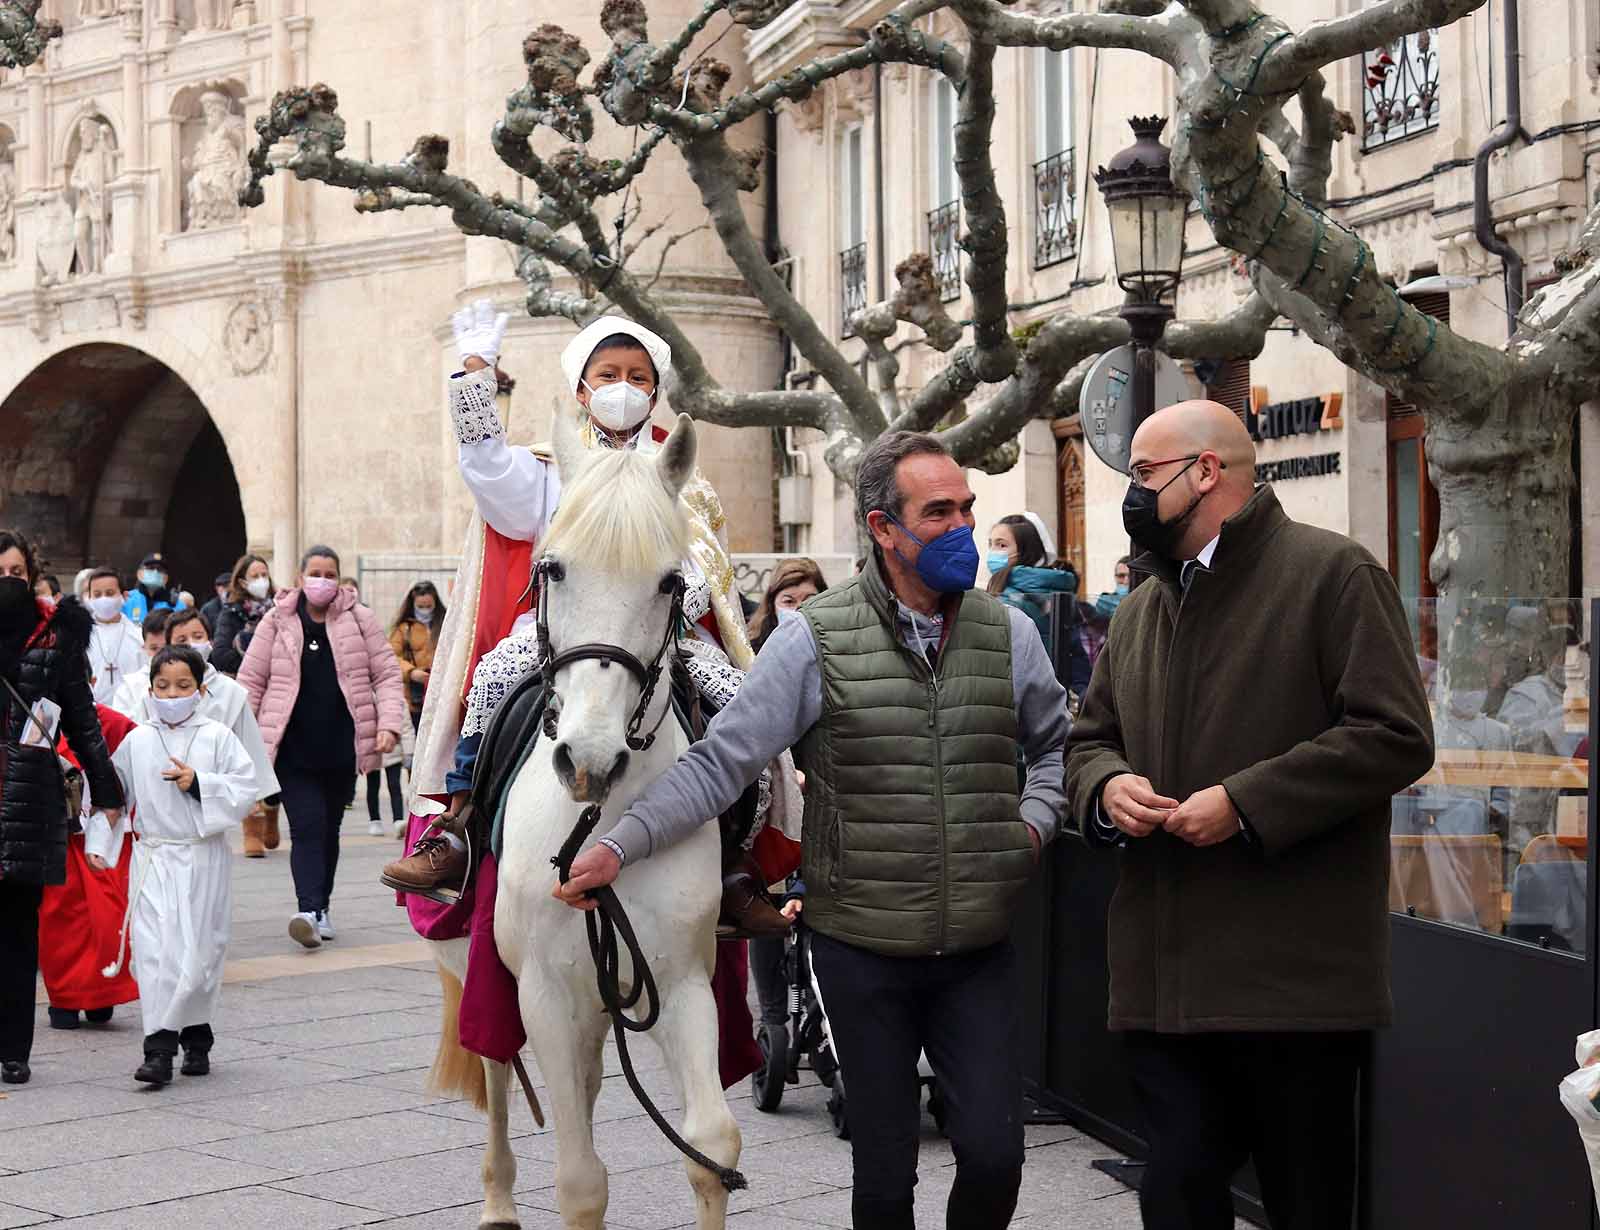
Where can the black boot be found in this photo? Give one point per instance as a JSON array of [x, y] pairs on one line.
[[15, 1071], [97, 1016], [196, 1041], [63, 1018], [156, 1068]]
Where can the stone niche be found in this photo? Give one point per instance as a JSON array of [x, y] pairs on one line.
[[8, 196], [212, 147]]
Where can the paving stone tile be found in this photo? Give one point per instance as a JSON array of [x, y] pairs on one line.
[[387, 1055], [465, 1216], [13, 1218], [307, 1106], [99, 1185], [660, 1196], [105, 1136], [347, 1143], [245, 1208], [309, 1037], [229, 1080], [454, 1177], [35, 1104]]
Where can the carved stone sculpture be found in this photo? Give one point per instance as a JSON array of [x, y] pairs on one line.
[[8, 211], [212, 14], [217, 170], [91, 10], [90, 180]]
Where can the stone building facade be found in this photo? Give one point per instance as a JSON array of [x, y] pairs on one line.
[[177, 374], [866, 179]]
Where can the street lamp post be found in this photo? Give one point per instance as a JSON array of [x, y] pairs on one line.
[[1147, 214]]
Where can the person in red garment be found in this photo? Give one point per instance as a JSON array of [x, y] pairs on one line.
[[80, 921]]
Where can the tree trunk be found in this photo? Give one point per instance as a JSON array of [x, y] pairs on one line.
[[1505, 486]]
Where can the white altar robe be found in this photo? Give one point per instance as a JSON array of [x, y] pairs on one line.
[[182, 885], [116, 650]]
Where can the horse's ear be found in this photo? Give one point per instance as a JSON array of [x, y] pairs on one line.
[[675, 461], [567, 443]]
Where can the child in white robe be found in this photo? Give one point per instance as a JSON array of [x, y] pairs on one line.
[[188, 780], [223, 699]]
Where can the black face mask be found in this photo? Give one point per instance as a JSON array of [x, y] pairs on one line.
[[16, 602], [1144, 524]]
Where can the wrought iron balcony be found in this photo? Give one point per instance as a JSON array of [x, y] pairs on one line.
[[1055, 209], [852, 285], [1400, 89], [944, 244]]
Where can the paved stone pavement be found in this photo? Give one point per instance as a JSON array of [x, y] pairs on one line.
[[315, 1116]]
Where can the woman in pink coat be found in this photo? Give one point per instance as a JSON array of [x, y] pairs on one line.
[[326, 691]]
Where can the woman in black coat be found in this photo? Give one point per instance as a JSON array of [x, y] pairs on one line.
[[43, 656], [249, 598]]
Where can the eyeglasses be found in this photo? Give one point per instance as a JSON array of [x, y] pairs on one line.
[[1143, 471]]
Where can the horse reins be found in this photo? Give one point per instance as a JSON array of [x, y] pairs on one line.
[[608, 920]]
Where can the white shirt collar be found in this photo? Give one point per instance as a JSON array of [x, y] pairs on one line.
[[1207, 551]]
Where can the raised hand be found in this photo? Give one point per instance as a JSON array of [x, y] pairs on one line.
[[179, 774], [479, 331]]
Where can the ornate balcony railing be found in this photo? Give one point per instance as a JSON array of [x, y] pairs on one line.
[[1055, 210], [852, 285], [944, 243], [1400, 89]]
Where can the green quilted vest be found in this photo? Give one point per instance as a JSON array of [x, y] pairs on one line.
[[913, 842]]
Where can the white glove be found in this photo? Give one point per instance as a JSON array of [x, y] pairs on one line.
[[479, 331]]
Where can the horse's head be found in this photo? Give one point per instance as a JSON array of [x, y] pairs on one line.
[[611, 571]]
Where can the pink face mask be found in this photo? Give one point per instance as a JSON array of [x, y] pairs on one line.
[[320, 591]]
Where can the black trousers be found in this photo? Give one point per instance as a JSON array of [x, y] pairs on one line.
[[883, 1012], [397, 799], [1212, 1102], [192, 1038], [19, 966], [314, 802]]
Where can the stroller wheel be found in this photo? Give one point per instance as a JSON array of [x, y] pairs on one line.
[[836, 1108], [766, 1083]]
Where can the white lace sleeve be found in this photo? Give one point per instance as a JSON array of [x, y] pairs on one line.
[[472, 407], [498, 672]]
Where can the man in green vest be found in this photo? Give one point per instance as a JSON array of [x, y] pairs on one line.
[[906, 696]]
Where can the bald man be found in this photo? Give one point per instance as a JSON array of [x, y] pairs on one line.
[[1256, 705]]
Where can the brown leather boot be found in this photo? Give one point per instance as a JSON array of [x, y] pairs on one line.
[[434, 869], [747, 911], [253, 825], [269, 826]]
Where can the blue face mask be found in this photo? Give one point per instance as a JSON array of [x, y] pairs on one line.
[[997, 562], [1122, 590], [949, 563]]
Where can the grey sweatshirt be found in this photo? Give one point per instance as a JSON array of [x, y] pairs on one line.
[[781, 699]]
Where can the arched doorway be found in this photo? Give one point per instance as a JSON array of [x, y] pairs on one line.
[[106, 455]]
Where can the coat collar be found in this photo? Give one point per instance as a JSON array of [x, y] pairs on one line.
[[1243, 534]]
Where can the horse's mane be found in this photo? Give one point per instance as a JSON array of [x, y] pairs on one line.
[[616, 514]]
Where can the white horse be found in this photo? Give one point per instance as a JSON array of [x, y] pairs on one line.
[[618, 540]]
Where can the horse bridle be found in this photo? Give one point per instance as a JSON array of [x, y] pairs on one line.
[[547, 570]]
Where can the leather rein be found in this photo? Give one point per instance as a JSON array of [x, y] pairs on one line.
[[608, 920]]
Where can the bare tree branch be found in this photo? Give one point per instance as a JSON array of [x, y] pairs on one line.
[[984, 212], [22, 35], [1155, 36], [1338, 38]]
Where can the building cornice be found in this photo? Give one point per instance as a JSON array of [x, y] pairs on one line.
[[803, 32]]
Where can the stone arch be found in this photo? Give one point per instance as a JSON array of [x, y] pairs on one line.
[[68, 141], [106, 454]]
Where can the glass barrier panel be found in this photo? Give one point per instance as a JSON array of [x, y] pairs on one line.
[[1495, 836]]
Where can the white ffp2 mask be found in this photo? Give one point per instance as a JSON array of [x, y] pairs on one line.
[[618, 407]]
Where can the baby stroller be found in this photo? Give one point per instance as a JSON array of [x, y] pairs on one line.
[[805, 1040]]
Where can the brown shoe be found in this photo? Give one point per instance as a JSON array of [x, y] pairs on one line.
[[747, 911], [269, 828], [252, 826], [434, 869]]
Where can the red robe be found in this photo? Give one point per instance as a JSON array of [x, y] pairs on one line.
[[490, 1019], [80, 922]]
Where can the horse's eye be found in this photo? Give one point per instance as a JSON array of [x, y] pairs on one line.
[[555, 570], [668, 583]]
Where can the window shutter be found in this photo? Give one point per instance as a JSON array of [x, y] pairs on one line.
[[1437, 305], [1231, 386]]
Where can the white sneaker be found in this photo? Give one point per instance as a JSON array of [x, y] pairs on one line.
[[324, 925], [400, 830], [374, 828], [303, 930]]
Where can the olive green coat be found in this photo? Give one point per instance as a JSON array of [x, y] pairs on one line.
[[1286, 674]]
